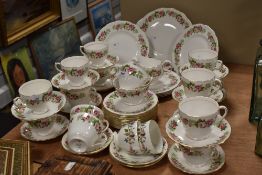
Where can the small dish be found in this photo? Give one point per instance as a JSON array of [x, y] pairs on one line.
[[136, 161], [113, 103], [59, 127], [177, 159], [179, 93], [107, 141], [165, 83], [54, 104], [59, 81], [220, 132]]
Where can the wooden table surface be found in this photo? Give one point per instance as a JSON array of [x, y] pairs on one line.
[[239, 148]]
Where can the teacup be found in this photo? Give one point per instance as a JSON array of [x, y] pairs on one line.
[[74, 68], [204, 58], [198, 114], [33, 95], [131, 84], [139, 138], [95, 51], [198, 156], [199, 82], [154, 67], [85, 132], [42, 127]]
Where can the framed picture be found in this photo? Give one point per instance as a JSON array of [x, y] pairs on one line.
[[17, 68], [73, 8], [20, 18], [100, 14], [53, 45]]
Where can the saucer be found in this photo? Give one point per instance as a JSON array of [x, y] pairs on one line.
[[220, 73], [59, 127], [94, 99], [136, 161], [109, 61], [164, 84], [105, 87], [109, 135], [60, 81], [54, 104], [220, 132], [177, 159], [114, 104], [178, 94]]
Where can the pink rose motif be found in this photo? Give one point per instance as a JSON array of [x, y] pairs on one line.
[[202, 124], [210, 122], [185, 121]]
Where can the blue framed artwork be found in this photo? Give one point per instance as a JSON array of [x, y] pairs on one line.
[[53, 45], [100, 14]]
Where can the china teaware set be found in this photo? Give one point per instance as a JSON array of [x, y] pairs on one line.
[[142, 62]]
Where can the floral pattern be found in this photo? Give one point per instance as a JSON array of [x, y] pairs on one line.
[[172, 125], [154, 72], [94, 76], [200, 123], [190, 152], [131, 71], [72, 96], [196, 87], [96, 54], [196, 29], [127, 26], [75, 72], [27, 131], [89, 109], [142, 138], [194, 64], [36, 100], [90, 119], [130, 137], [160, 13], [43, 123]]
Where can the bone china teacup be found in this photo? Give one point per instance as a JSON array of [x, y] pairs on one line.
[[74, 68], [95, 51], [198, 114], [85, 132], [33, 95], [199, 82]]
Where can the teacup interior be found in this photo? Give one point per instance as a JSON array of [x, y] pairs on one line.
[[35, 87], [75, 61], [148, 62], [198, 106], [197, 74], [95, 47], [203, 54]]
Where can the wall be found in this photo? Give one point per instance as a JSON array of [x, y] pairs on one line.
[[237, 23]]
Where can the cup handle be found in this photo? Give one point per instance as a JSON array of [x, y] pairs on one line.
[[19, 103], [214, 154], [219, 64], [167, 66], [107, 125], [58, 67], [82, 50], [218, 84], [225, 112]]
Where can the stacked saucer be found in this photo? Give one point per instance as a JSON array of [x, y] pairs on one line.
[[198, 131], [102, 62], [75, 80], [38, 106], [138, 144], [132, 100]]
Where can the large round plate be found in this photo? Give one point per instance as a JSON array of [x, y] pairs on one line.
[[162, 27], [125, 40], [197, 36]]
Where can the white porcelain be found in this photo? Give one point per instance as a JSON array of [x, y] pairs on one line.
[[162, 27], [221, 71], [136, 161], [164, 84], [106, 86], [197, 36], [61, 82], [84, 96], [124, 39], [84, 131], [131, 83], [218, 95], [114, 103], [190, 162], [74, 68], [220, 132], [54, 103], [42, 127], [33, 95], [95, 51], [204, 58], [59, 127], [198, 114], [199, 82], [104, 140]]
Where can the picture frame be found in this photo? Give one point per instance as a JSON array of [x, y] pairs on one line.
[[28, 17], [17, 67], [54, 44], [100, 13], [73, 8]]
